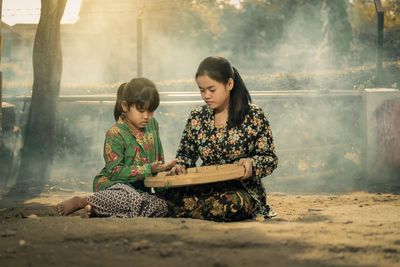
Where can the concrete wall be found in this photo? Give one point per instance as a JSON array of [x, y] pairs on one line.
[[326, 140], [382, 129]]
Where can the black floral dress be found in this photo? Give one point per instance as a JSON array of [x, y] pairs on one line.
[[232, 200]]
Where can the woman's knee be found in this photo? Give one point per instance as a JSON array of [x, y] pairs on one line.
[[232, 206]]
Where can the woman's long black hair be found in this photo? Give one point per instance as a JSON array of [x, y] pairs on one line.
[[140, 92], [221, 70]]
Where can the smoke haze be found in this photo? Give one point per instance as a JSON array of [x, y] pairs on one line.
[[319, 134]]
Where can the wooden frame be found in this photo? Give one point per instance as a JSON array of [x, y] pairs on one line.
[[196, 176]]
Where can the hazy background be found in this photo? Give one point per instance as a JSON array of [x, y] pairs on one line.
[[309, 50]]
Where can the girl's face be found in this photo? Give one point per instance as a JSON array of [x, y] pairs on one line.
[[214, 93], [137, 117]]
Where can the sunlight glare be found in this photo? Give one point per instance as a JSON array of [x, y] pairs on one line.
[[28, 11]]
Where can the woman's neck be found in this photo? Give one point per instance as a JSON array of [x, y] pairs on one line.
[[224, 108], [221, 112], [221, 117]]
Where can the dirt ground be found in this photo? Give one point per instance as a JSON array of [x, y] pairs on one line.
[[357, 229]]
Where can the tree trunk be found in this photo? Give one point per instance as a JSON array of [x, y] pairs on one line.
[[338, 35], [39, 143]]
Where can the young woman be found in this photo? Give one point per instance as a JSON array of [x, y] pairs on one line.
[[228, 129], [132, 152]]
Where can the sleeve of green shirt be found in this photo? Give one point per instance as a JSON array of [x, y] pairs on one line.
[[187, 153], [114, 151], [159, 147]]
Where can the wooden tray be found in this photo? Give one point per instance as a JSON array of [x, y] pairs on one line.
[[197, 175]]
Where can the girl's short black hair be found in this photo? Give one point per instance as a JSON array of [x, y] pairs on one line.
[[140, 92], [221, 70]]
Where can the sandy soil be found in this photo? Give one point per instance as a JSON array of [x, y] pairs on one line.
[[358, 229]]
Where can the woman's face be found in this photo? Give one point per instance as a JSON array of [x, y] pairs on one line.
[[137, 117], [214, 93]]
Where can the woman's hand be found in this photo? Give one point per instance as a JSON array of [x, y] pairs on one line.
[[248, 166], [176, 170], [160, 167]]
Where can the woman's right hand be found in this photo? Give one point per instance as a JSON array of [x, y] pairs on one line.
[[176, 170]]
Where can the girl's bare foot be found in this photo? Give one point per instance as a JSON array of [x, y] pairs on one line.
[[71, 205], [87, 211]]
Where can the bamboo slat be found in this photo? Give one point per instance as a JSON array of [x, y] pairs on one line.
[[196, 176]]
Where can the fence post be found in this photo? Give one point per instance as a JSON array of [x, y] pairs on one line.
[[379, 42], [139, 41]]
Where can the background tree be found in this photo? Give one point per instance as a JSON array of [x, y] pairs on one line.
[[39, 141], [337, 30]]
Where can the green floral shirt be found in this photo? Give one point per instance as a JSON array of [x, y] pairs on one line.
[[129, 154], [221, 145]]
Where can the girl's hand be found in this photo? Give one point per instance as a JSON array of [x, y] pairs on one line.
[[176, 170], [248, 166], [160, 167]]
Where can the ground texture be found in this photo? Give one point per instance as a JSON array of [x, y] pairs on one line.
[[357, 229]]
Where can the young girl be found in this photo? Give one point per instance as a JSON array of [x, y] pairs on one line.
[[228, 129], [132, 152]]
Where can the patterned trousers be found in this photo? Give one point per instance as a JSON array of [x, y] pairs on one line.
[[123, 201], [210, 202]]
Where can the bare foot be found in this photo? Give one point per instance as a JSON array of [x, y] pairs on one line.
[[87, 211], [71, 205]]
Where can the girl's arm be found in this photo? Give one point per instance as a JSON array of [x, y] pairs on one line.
[[264, 158], [160, 165], [159, 147]]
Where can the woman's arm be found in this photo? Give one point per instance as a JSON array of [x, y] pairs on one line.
[[264, 158]]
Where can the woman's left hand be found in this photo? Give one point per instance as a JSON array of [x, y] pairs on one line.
[[248, 166]]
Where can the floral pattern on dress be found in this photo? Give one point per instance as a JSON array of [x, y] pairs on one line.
[[129, 154], [101, 181], [223, 145], [230, 204], [113, 131]]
